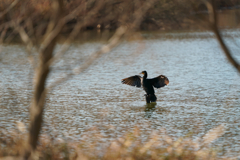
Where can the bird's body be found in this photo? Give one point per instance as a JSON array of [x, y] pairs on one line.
[[147, 84]]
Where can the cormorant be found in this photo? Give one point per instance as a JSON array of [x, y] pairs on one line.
[[147, 84]]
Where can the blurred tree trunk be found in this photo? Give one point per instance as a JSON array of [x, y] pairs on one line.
[[38, 101], [42, 72]]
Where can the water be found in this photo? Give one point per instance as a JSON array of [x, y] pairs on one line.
[[203, 91]]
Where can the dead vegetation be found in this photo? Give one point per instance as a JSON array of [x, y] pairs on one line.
[[158, 146]]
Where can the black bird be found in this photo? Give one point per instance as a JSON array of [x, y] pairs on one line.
[[147, 84]]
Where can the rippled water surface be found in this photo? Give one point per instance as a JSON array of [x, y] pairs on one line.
[[203, 92]]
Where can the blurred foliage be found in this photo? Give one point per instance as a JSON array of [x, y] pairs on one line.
[[157, 146]]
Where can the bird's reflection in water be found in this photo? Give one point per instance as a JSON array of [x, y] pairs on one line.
[[150, 108]]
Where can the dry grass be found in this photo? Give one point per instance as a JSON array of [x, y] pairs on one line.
[[157, 146]]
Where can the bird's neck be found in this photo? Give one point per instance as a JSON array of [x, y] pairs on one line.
[[145, 76]]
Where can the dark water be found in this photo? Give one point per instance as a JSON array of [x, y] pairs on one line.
[[203, 92]]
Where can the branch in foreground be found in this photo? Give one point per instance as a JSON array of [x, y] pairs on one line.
[[214, 27], [37, 104], [113, 42]]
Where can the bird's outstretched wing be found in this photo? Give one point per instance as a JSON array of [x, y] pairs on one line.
[[159, 81], [133, 81]]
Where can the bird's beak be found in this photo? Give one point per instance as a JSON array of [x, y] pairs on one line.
[[141, 73]]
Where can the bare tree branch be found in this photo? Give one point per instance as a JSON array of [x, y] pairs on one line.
[[4, 31], [13, 4], [213, 25], [51, 34], [38, 101], [113, 42], [75, 30], [28, 42]]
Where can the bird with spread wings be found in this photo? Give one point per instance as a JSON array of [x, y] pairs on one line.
[[147, 84]]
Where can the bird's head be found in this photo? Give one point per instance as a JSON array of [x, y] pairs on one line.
[[143, 72]]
